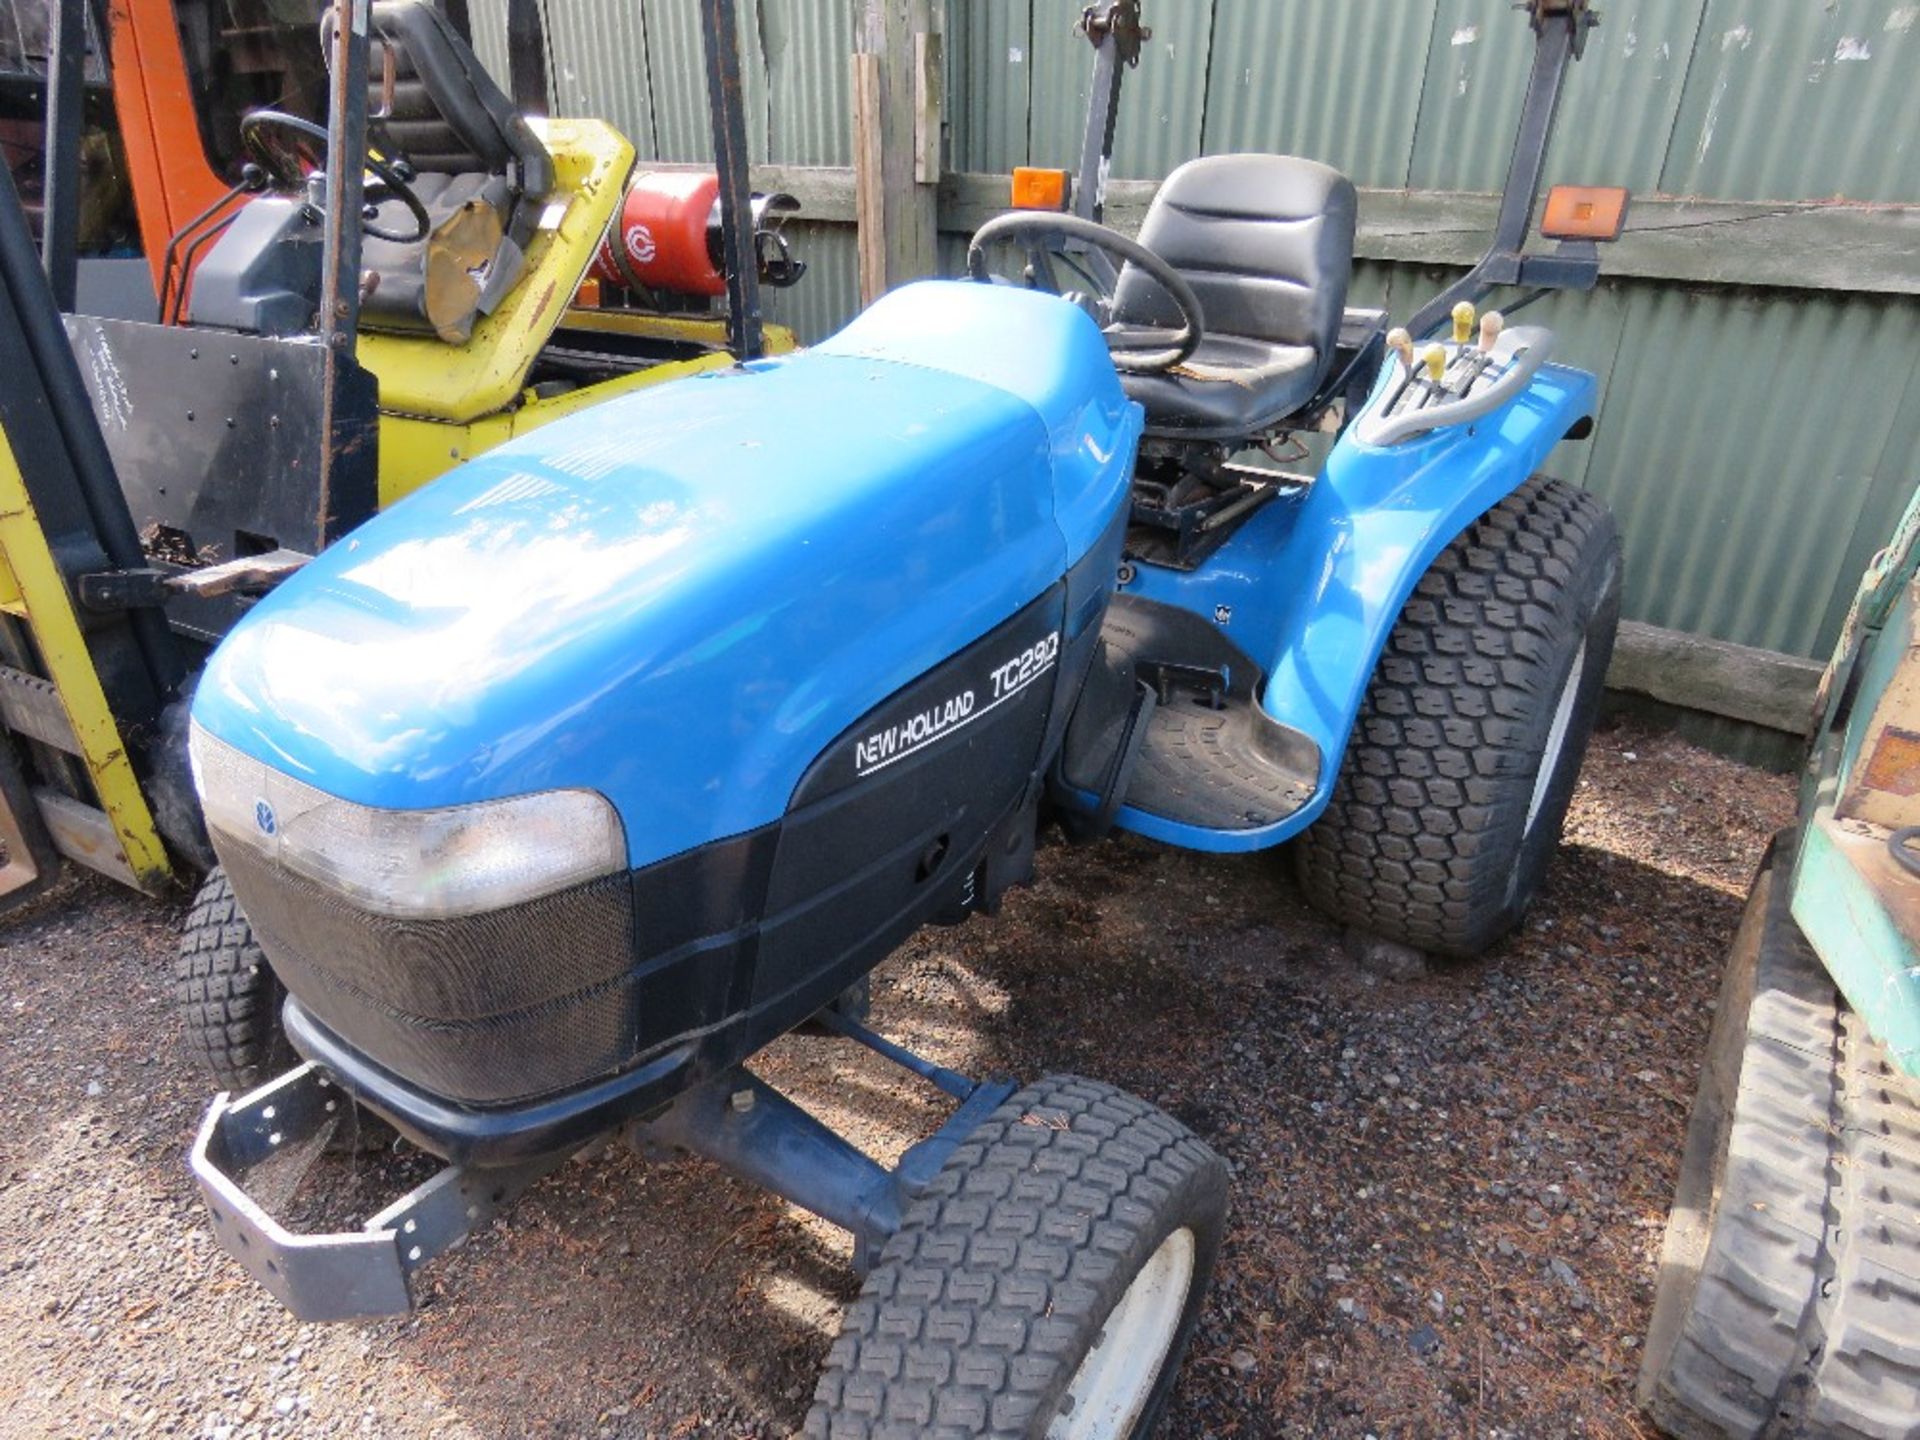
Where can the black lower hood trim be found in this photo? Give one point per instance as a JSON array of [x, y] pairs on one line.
[[505, 1136]]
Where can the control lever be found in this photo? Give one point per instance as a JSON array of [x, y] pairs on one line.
[[1500, 375], [1474, 363], [1463, 322], [1401, 343]]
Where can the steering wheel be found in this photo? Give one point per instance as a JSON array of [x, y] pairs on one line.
[[1136, 349], [288, 161]]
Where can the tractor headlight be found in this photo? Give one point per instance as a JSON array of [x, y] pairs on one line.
[[409, 864]]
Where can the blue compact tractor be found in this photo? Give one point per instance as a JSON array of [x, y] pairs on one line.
[[560, 788]]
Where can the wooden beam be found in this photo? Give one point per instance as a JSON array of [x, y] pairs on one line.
[[929, 89], [1872, 250], [1861, 249], [869, 169], [1815, 247], [896, 211], [1716, 677]]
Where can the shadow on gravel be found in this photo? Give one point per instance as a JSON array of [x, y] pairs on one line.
[[1448, 1190]]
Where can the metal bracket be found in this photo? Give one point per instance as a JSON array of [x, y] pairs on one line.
[[1117, 35], [1094, 821], [1210, 685], [735, 1119], [752, 1131], [107, 592], [1119, 21], [1560, 29], [1579, 13], [352, 1275]]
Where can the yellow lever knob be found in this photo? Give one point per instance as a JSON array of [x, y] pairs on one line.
[[1401, 343], [1491, 324], [1463, 322], [1436, 358]]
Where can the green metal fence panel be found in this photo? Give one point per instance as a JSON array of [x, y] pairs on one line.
[[805, 46], [1895, 478], [1728, 99], [989, 49], [1338, 80], [489, 19], [639, 65], [1745, 448], [1617, 110], [1469, 99], [598, 66], [676, 70], [1801, 102], [828, 295], [1162, 103]]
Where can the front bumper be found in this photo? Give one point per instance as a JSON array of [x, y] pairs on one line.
[[359, 1274]]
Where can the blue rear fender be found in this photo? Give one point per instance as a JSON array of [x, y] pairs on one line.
[[1312, 585]]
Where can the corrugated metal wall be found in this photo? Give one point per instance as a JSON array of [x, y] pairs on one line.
[[1758, 445]]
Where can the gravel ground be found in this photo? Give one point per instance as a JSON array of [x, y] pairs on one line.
[[1448, 1198]]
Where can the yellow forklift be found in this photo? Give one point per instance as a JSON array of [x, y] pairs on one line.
[[369, 264]]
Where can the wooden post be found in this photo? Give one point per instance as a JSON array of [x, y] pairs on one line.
[[897, 85]]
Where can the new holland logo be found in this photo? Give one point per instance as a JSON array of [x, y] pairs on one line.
[[913, 734]]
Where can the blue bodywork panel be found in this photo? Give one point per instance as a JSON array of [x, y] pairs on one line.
[[680, 597], [1311, 585]]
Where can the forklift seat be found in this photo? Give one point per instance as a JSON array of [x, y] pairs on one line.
[[478, 168], [1266, 242]]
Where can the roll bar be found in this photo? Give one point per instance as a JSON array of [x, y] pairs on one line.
[[1560, 37], [1113, 28]]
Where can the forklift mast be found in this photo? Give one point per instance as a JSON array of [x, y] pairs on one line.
[[173, 179], [83, 691], [270, 441]]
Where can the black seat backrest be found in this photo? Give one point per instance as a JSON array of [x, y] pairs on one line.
[[1266, 242], [447, 116]]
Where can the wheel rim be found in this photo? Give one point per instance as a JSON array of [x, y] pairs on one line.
[[1557, 736], [1110, 1390]]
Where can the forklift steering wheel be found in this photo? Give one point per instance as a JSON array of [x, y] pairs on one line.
[[284, 163], [1136, 349]]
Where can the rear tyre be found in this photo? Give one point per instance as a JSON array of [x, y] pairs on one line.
[[228, 995], [1463, 759], [1045, 1284]]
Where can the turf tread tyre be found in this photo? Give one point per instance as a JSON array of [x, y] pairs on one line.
[[229, 998], [983, 1304], [1426, 839]]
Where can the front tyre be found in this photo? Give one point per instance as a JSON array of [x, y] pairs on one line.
[[1463, 759], [228, 995], [1043, 1287]]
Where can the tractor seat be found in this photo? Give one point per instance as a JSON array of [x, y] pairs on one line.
[[478, 168], [1266, 242]]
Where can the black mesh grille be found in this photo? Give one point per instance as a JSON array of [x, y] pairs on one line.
[[485, 1009]]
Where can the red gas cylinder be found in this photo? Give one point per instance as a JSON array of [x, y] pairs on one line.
[[661, 234]]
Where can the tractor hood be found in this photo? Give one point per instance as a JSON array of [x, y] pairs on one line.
[[681, 597]]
